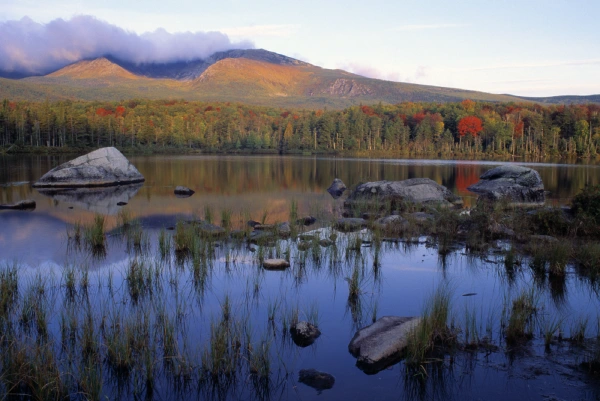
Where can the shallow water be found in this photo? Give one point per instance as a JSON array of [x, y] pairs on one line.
[[404, 277]]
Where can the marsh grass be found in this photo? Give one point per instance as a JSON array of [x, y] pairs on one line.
[[520, 323], [94, 235], [208, 214], [183, 238], [433, 330], [226, 219], [164, 244], [550, 327]]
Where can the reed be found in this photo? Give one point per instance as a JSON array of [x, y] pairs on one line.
[[94, 234]]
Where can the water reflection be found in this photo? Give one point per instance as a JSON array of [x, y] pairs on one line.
[[102, 200]]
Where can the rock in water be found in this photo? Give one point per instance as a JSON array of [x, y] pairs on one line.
[[100, 168], [22, 205], [318, 380], [183, 192], [380, 345], [394, 193], [337, 188], [517, 184], [304, 333], [276, 264]]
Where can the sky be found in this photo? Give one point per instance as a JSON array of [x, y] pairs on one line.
[[526, 47]]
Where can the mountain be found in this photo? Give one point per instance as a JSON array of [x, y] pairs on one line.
[[253, 76], [94, 69]]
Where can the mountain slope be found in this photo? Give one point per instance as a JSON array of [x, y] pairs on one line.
[[252, 76], [93, 69]]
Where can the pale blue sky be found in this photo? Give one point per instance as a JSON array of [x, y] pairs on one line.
[[533, 47]]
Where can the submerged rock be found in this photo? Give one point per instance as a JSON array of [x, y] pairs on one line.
[[276, 264], [337, 188], [21, 205], [306, 221], [393, 223], [100, 168], [393, 194], [183, 192], [347, 224], [210, 230], [318, 380], [381, 344], [514, 183], [304, 333]]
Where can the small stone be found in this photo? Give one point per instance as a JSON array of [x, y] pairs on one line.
[[183, 192], [350, 224], [337, 188], [307, 221], [318, 380], [326, 242], [276, 264], [304, 333]]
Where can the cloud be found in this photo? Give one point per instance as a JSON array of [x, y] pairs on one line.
[[422, 27], [541, 64], [372, 72], [369, 71], [262, 30], [34, 48]]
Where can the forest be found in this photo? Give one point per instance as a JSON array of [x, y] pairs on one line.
[[464, 128]]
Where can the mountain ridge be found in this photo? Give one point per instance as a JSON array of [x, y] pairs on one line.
[[255, 76]]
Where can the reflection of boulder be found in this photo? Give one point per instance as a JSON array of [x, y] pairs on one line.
[[102, 167], [22, 205], [103, 200]]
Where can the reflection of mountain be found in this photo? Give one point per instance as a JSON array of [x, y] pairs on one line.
[[102, 200]]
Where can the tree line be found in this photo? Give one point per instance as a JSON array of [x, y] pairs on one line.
[[468, 127]]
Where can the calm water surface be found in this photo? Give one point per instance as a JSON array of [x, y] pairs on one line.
[[395, 280]]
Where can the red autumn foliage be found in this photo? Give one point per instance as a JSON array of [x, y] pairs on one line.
[[469, 125], [120, 111], [150, 123], [519, 129], [209, 108], [368, 110], [418, 117], [102, 112], [285, 114], [295, 116]]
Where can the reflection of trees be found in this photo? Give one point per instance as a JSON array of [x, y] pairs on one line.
[[235, 175]]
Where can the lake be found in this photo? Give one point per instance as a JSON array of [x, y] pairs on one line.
[[181, 305]]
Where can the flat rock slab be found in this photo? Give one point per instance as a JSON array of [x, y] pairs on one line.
[[276, 264], [379, 345], [318, 380], [22, 205], [413, 190], [100, 168], [517, 184]]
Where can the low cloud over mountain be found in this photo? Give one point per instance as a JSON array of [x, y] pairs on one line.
[[28, 47]]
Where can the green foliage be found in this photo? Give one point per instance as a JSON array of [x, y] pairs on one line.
[[403, 128], [586, 204]]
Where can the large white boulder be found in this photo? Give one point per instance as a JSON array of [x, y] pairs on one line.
[[102, 167]]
